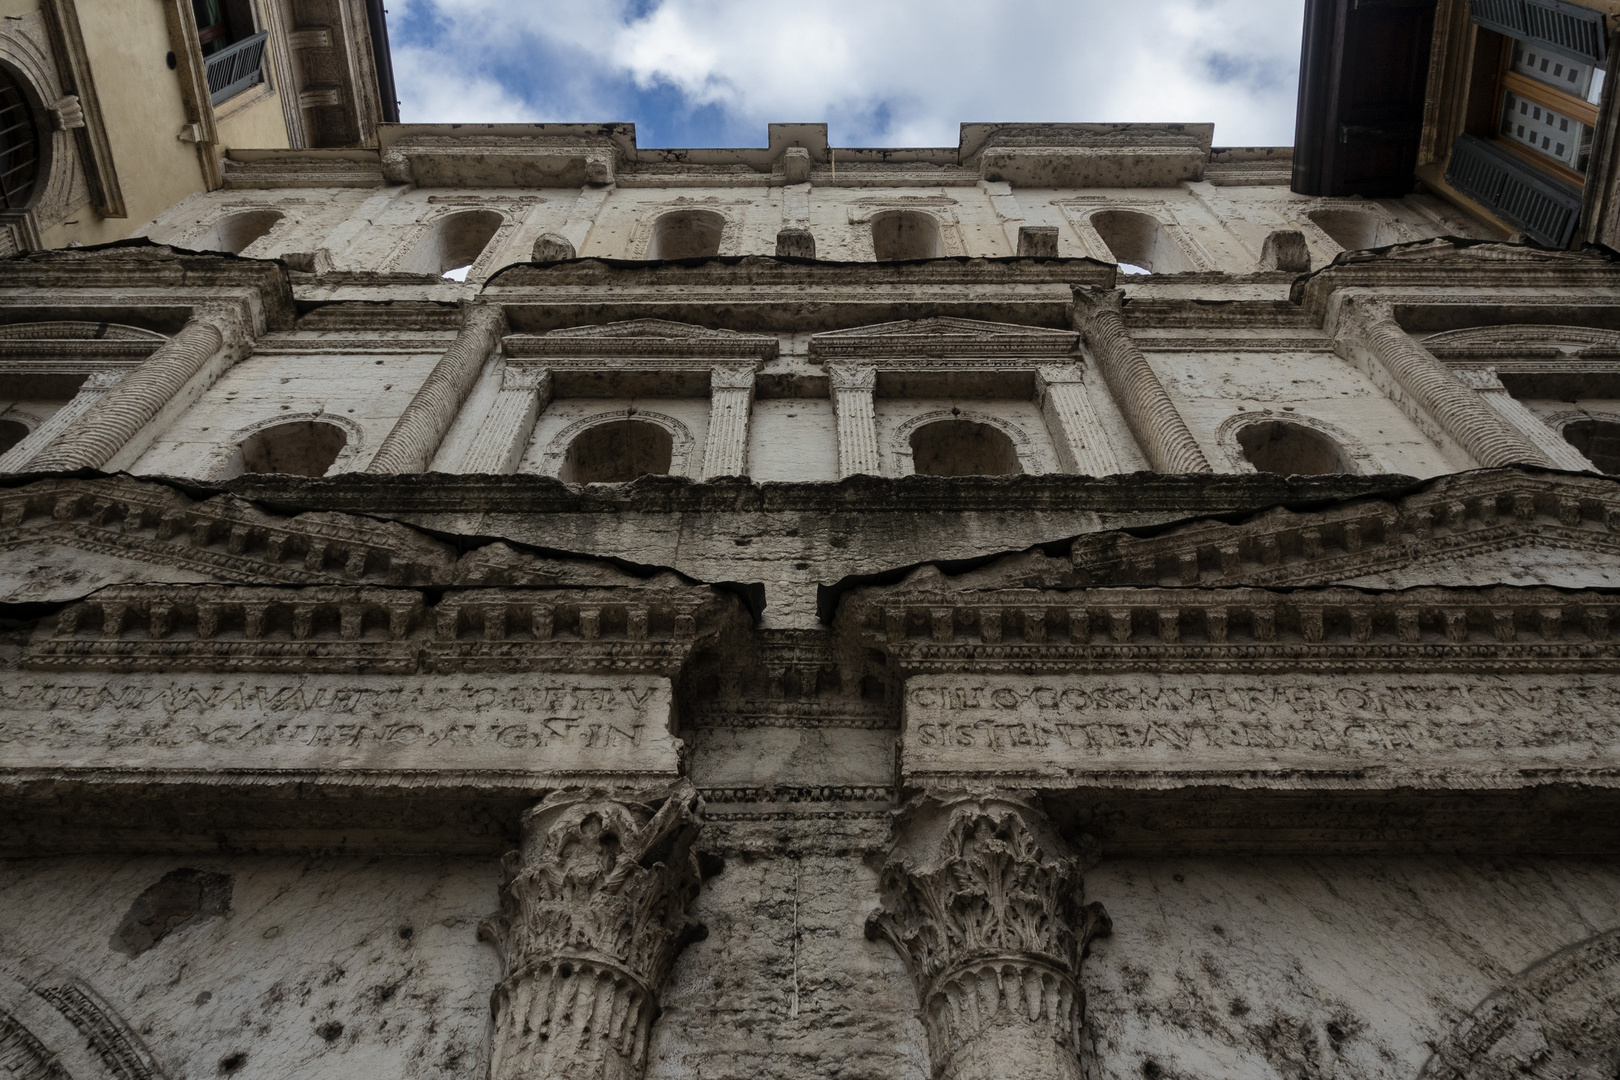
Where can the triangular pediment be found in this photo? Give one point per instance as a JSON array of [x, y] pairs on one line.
[[644, 337], [61, 540], [944, 336], [1470, 530]]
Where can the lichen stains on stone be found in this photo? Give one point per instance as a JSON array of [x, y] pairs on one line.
[[178, 899]]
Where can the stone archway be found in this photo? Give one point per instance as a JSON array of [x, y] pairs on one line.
[[55, 1027], [1559, 1019]]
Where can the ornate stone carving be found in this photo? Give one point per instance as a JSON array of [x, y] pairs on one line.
[[984, 902], [1488, 385], [852, 389], [1081, 443], [552, 247], [500, 442], [1152, 416], [731, 400], [1446, 410], [593, 913], [415, 438]]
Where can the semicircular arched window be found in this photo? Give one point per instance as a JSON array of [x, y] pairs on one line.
[[900, 235], [687, 234], [1599, 440], [296, 448], [617, 452], [1276, 446], [19, 145], [12, 432], [963, 448]]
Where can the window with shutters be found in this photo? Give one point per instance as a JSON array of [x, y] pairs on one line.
[[1539, 71], [233, 52]]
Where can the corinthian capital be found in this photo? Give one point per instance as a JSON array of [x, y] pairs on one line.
[[593, 913], [984, 902]]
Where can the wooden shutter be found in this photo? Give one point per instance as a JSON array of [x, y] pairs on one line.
[[1545, 209], [1563, 28]]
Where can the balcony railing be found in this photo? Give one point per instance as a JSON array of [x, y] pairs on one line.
[[234, 69]]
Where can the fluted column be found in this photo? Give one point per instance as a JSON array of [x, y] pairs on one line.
[[593, 913], [983, 900], [1159, 429], [1082, 445], [731, 404], [1367, 335], [852, 389], [90, 391], [1486, 383], [500, 441], [416, 436], [122, 414]]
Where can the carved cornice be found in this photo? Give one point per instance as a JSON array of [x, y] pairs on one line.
[[984, 902], [136, 628], [638, 338], [593, 914], [1454, 517]]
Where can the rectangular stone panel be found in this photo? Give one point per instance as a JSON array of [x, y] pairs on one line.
[[467, 731], [1373, 731]]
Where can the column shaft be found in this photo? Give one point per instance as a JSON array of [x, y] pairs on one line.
[[731, 405], [416, 436], [1513, 412], [500, 441], [1163, 435], [94, 388], [1081, 443], [852, 389], [1369, 337], [118, 416]]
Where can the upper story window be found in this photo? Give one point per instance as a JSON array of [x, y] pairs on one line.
[[19, 146], [232, 51]]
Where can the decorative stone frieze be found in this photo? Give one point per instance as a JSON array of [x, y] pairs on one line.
[[984, 902], [1152, 416], [1441, 405], [731, 400], [852, 390], [125, 413], [415, 438], [593, 914]]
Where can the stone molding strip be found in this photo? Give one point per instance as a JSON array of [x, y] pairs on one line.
[[1163, 435]]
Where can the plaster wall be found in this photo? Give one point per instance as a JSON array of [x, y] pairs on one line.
[[255, 122]]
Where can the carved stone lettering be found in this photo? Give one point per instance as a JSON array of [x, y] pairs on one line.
[[1414, 729], [542, 725]]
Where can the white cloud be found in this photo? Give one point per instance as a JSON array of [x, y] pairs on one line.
[[881, 72]]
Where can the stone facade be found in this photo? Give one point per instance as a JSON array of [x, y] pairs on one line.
[[883, 633]]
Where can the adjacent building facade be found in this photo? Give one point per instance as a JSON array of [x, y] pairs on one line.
[[1087, 602]]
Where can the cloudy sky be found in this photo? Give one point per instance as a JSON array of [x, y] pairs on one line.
[[878, 72]]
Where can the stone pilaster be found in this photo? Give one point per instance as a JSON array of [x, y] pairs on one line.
[[501, 439], [1486, 383], [1367, 335], [593, 913], [1082, 445], [983, 900], [731, 404], [1159, 429], [415, 437], [125, 414], [90, 391], [852, 389]]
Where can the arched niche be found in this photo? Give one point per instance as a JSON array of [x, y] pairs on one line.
[[12, 432], [687, 234], [899, 235], [959, 447], [1598, 438], [298, 444], [238, 231], [617, 451], [1140, 241], [452, 243], [1355, 230], [1558, 1019], [1277, 446]]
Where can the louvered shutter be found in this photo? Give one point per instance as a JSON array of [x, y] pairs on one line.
[[1566, 29], [1545, 209]]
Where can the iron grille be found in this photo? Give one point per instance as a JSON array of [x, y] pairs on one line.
[[19, 146], [1545, 209], [1566, 29], [235, 68]]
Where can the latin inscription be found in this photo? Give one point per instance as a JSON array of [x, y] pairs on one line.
[[1055, 726], [573, 723]]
